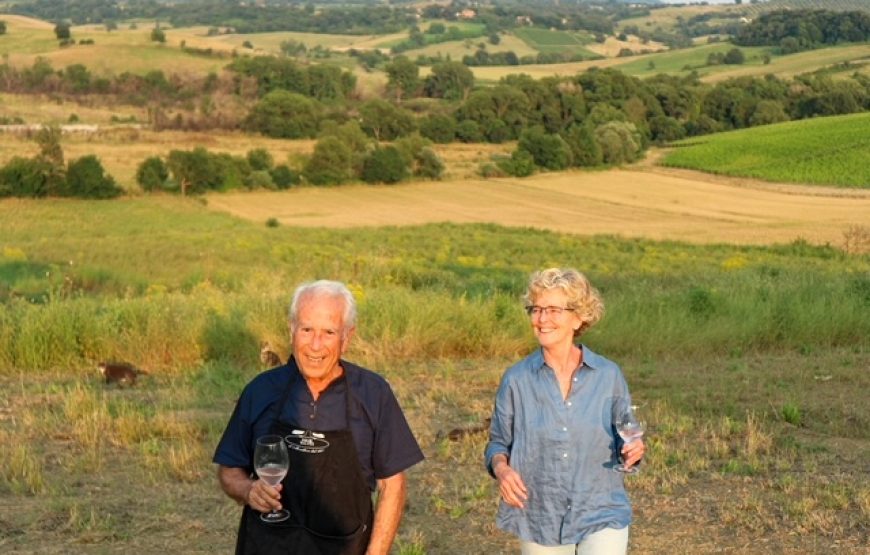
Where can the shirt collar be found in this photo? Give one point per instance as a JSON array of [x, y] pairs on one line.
[[589, 358]]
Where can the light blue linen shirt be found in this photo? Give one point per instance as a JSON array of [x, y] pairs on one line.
[[564, 450]]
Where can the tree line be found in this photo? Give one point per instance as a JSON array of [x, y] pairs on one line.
[[47, 175], [795, 30]]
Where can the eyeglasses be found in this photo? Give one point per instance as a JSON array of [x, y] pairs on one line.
[[551, 311]]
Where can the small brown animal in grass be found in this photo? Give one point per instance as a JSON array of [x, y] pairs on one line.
[[268, 356], [121, 373], [458, 433]]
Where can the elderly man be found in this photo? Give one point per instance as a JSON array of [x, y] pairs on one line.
[[345, 434]]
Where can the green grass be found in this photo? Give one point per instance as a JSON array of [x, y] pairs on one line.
[[117, 274], [746, 360], [822, 151], [686, 60], [547, 41]]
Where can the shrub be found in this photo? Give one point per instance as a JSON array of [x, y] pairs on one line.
[[157, 35], [585, 150], [331, 163], [85, 177], [428, 164], [468, 131], [548, 151], [26, 177], [260, 159], [385, 165], [734, 56], [283, 177], [520, 164], [439, 128], [152, 174], [620, 142], [260, 179], [285, 115]]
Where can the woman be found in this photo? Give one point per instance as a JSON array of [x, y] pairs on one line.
[[552, 444]]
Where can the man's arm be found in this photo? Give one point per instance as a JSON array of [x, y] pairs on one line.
[[388, 513], [259, 495]]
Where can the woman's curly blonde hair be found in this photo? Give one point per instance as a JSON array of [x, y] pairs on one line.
[[582, 297]]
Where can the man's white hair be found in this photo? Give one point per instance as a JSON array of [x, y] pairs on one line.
[[326, 288]]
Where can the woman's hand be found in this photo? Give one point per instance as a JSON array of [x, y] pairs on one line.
[[633, 452], [264, 497], [510, 484]]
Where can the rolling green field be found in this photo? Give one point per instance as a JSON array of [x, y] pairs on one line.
[[747, 360], [544, 40], [686, 60], [824, 151]]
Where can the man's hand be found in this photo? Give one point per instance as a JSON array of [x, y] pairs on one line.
[[263, 497], [258, 494], [388, 513]]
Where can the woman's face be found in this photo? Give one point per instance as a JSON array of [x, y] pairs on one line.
[[553, 330]]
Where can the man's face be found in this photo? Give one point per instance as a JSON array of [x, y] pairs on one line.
[[318, 338]]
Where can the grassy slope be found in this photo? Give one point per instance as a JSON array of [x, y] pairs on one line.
[[822, 151], [112, 52], [696, 57]]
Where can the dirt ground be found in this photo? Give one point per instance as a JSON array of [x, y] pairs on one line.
[[638, 201]]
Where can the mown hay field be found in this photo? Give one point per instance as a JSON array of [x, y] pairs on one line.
[[831, 151], [623, 202]]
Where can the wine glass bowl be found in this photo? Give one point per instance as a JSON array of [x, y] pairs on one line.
[[629, 428], [271, 462]]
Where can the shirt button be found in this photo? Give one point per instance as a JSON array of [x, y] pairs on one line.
[[311, 416], [569, 403], [564, 455], [564, 428], [569, 507]]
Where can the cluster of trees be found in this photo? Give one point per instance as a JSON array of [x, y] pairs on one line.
[[46, 174], [77, 79], [733, 56], [795, 30], [343, 152], [436, 33], [599, 116], [482, 57], [241, 17], [198, 171], [599, 18], [323, 82]]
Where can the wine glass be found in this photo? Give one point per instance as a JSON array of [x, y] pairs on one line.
[[627, 426], [271, 461]]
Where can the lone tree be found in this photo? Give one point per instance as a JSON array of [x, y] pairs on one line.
[[385, 165], [2, 27], [157, 35], [62, 30], [403, 77]]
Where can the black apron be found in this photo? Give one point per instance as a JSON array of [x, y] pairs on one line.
[[329, 501]]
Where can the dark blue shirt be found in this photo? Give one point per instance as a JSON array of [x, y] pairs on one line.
[[563, 449], [383, 439]]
